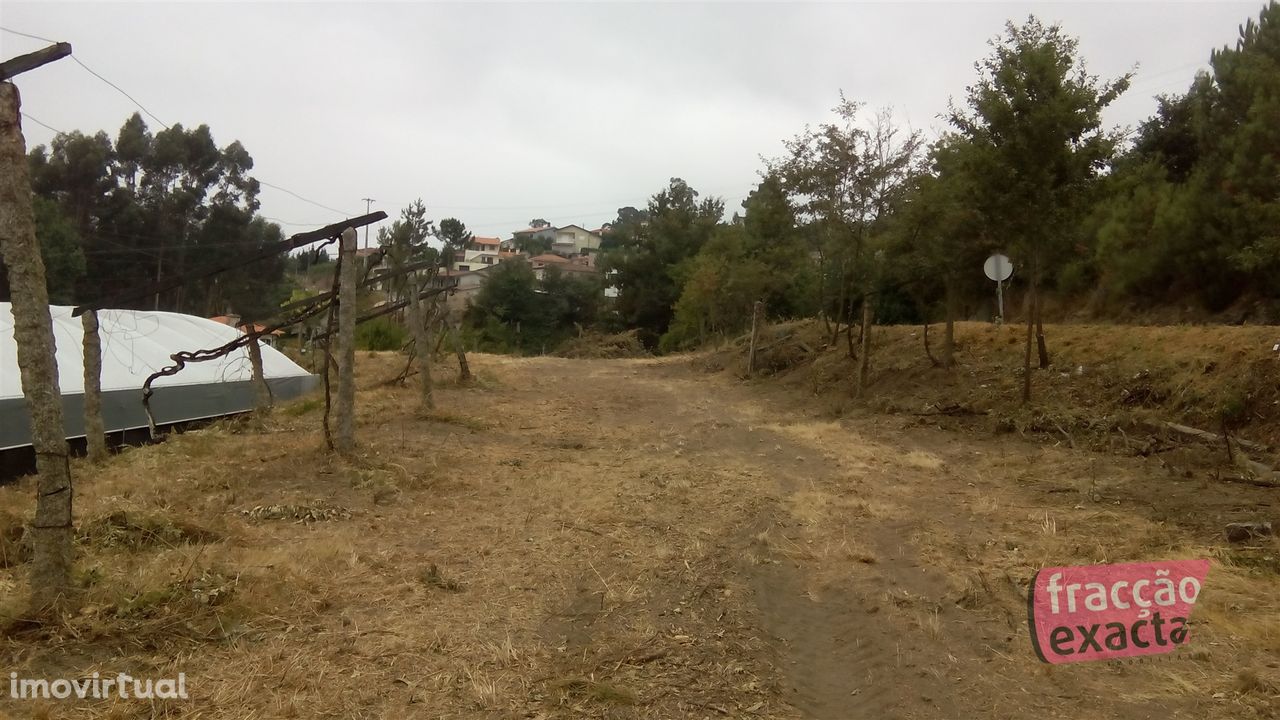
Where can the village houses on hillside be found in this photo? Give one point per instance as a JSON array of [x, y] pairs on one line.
[[573, 249], [570, 249]]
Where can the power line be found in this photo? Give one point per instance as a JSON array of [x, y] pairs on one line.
[[120, 90], [278, 221], [549, 206], [1142, 79], [28, 35], [343, 213], [164, 243], [91, 71], [152, 115], [43, 125]]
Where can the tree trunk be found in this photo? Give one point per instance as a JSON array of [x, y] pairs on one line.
[[1029, 304], [822, 293], [864, 362], [262, 400], [848, 336], [94, 431], [949, 338], [421, 339], [1040, 346], [33, 332], [840, 307], [464, 368], [927, 351], [345, 437], [757, 310]]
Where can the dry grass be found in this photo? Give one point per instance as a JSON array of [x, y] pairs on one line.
[[283, 580], [598, 539]]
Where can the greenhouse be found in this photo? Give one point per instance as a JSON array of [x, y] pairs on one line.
[[135, 344]]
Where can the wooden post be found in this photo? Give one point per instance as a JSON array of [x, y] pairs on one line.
[[756, 311], [94, 432], [33, 332], [31, 61], [345, 437]]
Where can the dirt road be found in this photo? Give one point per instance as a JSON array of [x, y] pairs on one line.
[[635, 538]]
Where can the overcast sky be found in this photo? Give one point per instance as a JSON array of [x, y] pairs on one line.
[[498, 113]]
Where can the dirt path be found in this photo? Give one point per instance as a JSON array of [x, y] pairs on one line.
[[838, 565], [635, 539], [874, 566]]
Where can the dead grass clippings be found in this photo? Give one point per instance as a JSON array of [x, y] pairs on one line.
[[304, 514]]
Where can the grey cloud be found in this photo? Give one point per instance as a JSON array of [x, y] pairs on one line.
[[498, 113]]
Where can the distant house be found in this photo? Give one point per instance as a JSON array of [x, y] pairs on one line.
[[573, 240], [577, 268], [584, 264], [465, 283], [539, 263], [481, 252], [547, 232]]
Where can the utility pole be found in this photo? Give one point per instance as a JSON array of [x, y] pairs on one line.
[[368, 205]]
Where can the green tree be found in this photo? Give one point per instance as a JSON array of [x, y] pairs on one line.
[[628, 223], [1034, 119], [651, 257], [573, 299], [148, 207], [455, 236], [508, 312], [939, 239], [1194, 208], [404, 243], [533, 245], [64, 263], [515, 312], [764, 257], [846, 178]]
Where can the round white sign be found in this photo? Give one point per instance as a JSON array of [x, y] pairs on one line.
[[998, 268]]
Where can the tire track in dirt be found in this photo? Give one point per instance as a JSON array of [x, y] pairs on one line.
[[826, 530], [842, 657]]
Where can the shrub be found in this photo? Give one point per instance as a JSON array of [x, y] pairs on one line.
[[381, 334]]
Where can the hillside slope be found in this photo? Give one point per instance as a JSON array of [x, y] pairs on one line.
[[1106, 384]]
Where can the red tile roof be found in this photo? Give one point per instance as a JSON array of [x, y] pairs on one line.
[[548, 258], [486, 240], [575, 267]]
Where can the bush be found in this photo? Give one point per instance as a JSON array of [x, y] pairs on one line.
[[381, 334]]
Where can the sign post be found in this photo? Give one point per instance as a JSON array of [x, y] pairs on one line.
[[998, 268]]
